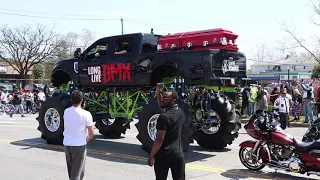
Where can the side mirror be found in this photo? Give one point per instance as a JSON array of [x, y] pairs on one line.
[[77, 53]]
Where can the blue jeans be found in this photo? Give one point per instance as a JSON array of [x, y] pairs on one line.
[[308, 111], [251, 108], [16, 108]]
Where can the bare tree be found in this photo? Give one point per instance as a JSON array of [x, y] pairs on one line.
[[87, 38], [72, 40], [24, 47], [82, 40], [301, 42], [315, 6], [263, 53]]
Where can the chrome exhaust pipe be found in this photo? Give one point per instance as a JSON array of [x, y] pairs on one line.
[[313, 172]]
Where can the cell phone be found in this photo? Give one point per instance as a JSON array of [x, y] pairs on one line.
[[160, 85]]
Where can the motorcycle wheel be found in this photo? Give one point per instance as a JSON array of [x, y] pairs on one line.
[[246, 158]]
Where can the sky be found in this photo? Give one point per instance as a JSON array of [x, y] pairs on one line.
[[255, 21]]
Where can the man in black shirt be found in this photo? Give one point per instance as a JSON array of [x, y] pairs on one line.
[[17, 102], [245, 99], [167, 148]]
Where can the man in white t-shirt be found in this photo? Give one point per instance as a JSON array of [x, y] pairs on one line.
[[78, 130]]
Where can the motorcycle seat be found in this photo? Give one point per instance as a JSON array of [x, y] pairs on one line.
[[315, 152], [301, 146]]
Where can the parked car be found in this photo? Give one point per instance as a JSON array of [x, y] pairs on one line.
[[29, 87], [8, 89], [271, 86]]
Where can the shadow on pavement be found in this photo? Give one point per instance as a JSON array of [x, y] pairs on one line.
[[105, 149], [236, 174], [201, 149]]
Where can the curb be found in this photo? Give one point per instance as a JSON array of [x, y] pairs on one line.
[[292, 124]]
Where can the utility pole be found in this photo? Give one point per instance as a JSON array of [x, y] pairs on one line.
[[121, 25]]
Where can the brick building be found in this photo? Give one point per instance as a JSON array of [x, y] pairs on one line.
[[9, 75]]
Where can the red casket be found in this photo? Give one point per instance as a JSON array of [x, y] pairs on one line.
[[199, 40]]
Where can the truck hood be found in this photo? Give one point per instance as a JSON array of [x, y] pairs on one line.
[[66, 63]]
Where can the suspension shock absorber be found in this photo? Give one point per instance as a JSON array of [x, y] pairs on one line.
[[179, 87], [209, 103], [183, 93], [205, 105], [175, 85]]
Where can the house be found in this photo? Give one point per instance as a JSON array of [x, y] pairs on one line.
[[292, 67]]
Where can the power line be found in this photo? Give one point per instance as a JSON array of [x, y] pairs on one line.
[[49, 17], [33, 12], [129, 20]]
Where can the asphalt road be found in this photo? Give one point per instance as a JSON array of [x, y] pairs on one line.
[[24, 155]]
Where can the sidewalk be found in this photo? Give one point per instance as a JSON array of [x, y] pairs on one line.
[[292, 124]]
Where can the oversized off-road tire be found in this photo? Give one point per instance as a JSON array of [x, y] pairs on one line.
[[113, 128], [51, 118], [229, 124], [148, 121]]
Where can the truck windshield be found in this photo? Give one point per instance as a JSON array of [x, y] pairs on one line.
[[149, 43]]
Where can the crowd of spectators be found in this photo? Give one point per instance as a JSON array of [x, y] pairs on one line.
[[22, 100], [303, 97]]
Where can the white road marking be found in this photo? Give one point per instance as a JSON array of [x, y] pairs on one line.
[[9, 122], [18, 126]]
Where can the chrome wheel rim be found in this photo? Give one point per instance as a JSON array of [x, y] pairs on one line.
[[152, 126], [250, 160], [108, 122], [52, 119], [214, 125]]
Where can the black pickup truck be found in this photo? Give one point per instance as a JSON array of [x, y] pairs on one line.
[[119, 74]]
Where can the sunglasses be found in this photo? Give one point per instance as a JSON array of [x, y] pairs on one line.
[[165, 97]]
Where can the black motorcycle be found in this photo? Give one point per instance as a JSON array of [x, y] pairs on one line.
[[313, 132]]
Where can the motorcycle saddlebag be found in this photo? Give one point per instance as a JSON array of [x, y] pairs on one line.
[[199, 40]]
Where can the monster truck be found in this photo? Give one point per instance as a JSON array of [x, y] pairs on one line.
[[119, 74]]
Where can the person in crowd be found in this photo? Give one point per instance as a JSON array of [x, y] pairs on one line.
[[17, 102], [29, 101], [261, 101], [318, 101], [46, 90], [288, 87], [308, 100], [296, 104], [252, 99], [78, 130], [245, 99], [282, 103], [41, 95], [167, 150], [3, 100], [274, 94]]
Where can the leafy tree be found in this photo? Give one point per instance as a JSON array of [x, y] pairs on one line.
[[38, 71], [316, 72]]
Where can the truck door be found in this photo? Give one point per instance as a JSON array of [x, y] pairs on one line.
[[143, 61], [89, 69], [117, 67]]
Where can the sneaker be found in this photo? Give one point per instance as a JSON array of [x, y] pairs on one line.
[[22, 116], [10, 115]]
